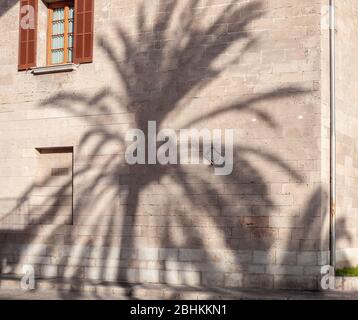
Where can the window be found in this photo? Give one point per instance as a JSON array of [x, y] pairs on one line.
[[70, 32], [60, 33]]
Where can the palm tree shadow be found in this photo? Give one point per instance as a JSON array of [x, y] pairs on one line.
[[168, 207], [5, 6]]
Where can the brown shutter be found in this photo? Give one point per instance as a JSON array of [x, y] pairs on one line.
[[27, 36], [83, 45]]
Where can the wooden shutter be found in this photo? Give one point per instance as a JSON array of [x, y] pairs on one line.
[[27, 35], [83, 45]]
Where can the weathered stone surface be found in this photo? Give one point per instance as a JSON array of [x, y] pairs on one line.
[[260, 69]]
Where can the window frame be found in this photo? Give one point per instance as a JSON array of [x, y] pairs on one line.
[[66, 5]]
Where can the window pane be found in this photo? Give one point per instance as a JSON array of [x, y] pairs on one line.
[[58, 14], [58, 27], [57, 56], [58, 42], [70, 26], [70, 34], [71, 13], [70, 55], [70, 41], [58, 22], [58, 38]]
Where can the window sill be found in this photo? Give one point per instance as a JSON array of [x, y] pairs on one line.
[[66, 67]]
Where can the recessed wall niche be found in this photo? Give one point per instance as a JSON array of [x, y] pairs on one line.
[[52, 200]]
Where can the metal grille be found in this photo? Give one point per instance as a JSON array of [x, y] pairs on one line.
[[60, 172]]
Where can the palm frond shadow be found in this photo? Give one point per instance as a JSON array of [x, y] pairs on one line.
[[6, 5], [161, 70]]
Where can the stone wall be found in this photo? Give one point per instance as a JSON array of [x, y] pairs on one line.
[[253, 66], [347, 135]]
